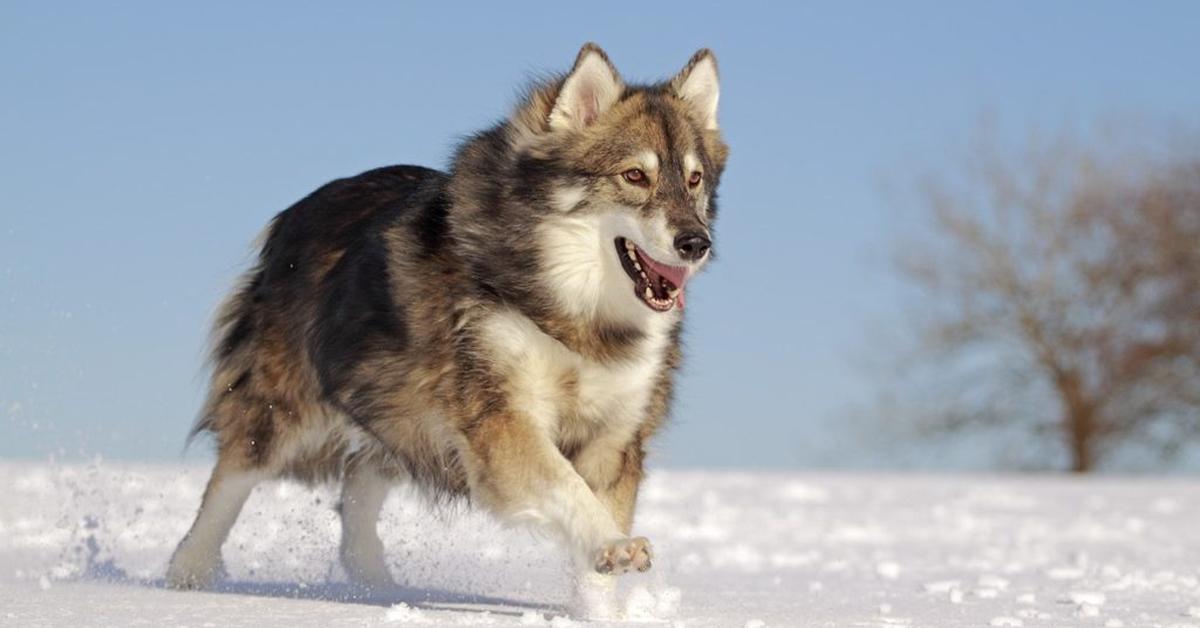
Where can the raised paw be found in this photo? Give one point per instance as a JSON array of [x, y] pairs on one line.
[[624, 555]]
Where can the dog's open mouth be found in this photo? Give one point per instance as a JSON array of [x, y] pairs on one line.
[[658, 285]]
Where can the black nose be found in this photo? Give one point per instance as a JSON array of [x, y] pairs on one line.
[[692, 246]]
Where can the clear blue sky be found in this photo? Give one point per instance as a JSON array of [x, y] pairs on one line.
[[144, 144]]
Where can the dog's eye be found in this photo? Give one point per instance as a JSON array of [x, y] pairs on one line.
[[635, 176], [694, 180]]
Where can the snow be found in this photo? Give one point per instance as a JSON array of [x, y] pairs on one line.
[[86, 545]]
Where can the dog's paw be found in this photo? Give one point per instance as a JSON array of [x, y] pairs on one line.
[[367, 572], [187, 572], [624, 555]]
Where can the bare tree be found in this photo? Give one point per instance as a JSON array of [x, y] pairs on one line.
[[1060, 288]]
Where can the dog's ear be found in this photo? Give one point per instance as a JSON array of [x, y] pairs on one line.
[[588, 91], [697, 85]]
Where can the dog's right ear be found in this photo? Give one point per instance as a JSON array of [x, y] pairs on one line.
[[588, 91]]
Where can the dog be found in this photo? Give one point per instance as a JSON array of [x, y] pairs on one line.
[[507, 331]]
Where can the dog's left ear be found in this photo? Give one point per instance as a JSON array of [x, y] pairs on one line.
[[588, 91], [697, 85]]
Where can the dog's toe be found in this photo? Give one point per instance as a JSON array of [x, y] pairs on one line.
[[624, 555]]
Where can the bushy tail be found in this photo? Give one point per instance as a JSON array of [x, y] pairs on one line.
[[232, 335]]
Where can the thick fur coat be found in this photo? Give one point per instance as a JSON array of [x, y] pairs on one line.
[[506, 331]]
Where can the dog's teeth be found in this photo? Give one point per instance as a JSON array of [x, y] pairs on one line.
[[629, 246], [649, 293], [637, 266]]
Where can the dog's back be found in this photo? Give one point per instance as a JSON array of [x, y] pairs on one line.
[[318, 299]]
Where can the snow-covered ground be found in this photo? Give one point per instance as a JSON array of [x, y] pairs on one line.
[[86, 545]]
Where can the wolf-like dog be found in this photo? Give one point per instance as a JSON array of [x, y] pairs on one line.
[[506, 331]]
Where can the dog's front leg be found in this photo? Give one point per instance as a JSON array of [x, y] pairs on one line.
[[516, 470], [612, 467]]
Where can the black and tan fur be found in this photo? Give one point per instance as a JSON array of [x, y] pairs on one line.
[[465, 331]]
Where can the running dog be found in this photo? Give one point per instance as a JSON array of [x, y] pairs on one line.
[[507, 330]]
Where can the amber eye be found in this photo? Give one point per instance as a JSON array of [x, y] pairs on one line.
[[694, 180], [635, 176]]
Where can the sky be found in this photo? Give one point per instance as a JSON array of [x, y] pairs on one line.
[[143, 145]]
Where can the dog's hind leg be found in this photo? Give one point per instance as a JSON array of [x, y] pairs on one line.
[[197, 561], [364, 489]]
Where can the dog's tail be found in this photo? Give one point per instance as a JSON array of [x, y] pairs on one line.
[[232, 337]]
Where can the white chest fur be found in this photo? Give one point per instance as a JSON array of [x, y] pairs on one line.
[[566, 394]]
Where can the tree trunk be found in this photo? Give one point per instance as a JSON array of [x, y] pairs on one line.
[[1080, 434], [1079, 421]]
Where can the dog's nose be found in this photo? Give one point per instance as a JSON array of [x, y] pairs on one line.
[[692, 246]]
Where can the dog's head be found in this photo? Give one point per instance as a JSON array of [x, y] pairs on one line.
[[614, 185]]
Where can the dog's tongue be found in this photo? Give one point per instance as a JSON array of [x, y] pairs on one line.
[[675, 274]]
